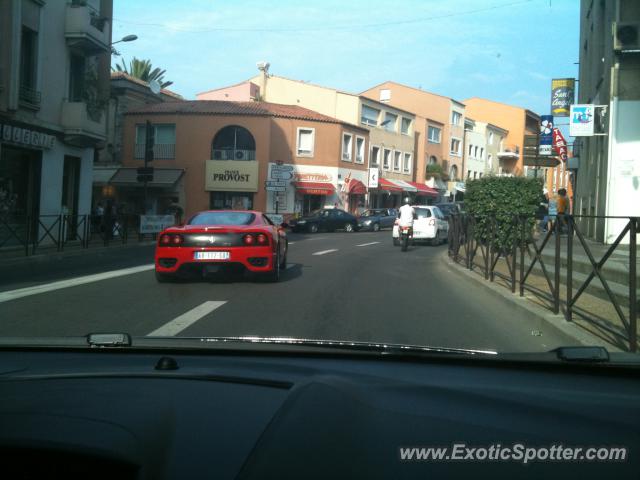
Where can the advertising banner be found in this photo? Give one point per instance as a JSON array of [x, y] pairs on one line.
[[581, 121], [231, 176], [546, 135], [374, 174], [560, 144], [562, 96], [155, 223]]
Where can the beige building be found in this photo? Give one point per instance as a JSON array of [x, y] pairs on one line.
[[54, 83], [391, 129]]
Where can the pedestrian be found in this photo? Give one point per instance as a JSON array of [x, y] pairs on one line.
[[542, 213], [563, 204], [98, 212], [176, 210], [108, 219]]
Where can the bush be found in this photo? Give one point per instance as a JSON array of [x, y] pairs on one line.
[[502, 198]]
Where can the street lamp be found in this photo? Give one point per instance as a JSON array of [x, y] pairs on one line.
[[128, 38]]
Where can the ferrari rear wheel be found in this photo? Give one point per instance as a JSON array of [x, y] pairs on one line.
[[274, 275]]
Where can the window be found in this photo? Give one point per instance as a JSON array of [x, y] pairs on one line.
[[475, 152], [456, 118], [29, 67], [490, 138], [489, 161], [468, 173], [406, 164], [456, 145], [374, 157], [385, 95], [480, 175], [77, 66], [433, 160], [369, 116], [386, 159], [481, 152], [405, 125], [390, 120], [475, 175], [434, 134], [453, 172], [470, 149], [305, 142], [359, 150], [165, 141], [347, 140], [397, 156], [234, 143]]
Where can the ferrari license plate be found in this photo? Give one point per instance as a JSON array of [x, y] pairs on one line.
[[211, 255]]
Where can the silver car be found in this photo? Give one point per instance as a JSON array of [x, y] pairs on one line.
[[376, 218]]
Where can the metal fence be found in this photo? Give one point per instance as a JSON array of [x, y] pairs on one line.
[[28, 235], [476, 249]]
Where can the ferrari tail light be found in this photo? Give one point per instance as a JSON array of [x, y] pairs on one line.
[[248, 239], [262, 239], [170, 240]]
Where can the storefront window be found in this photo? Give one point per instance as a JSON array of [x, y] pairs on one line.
[[19, 183], [231, 201]]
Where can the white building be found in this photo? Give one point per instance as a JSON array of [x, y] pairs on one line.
[[475, 149]]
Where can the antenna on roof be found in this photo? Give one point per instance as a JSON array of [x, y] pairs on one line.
[[263, 66], [155, 86]]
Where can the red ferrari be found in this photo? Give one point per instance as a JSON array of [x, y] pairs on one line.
[[220, 241]]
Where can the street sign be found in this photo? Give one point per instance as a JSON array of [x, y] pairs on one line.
[[281, 175], [144, 174], [374, 174], [581, 121], [275, 183], [541, 162], [282, 168], [275, 189]]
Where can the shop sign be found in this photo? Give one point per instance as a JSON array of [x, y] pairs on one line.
[[546, 137], [581, 121], [155, 223], [25, 136], [313, 177], [231, 176], [374, 174], [562, 96]]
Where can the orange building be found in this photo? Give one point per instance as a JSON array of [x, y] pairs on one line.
[[224, 152]]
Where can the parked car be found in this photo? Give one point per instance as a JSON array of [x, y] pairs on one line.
[[222, 241], [328, 219], [377, 218], [430, 225]]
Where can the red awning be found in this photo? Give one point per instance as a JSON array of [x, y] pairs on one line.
[[424, 189], [314, 188], [356, 187], [384, 184]]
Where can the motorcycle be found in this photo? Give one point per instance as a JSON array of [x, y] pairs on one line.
[[405, 234]]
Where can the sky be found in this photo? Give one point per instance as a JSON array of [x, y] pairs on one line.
[[503, 50]]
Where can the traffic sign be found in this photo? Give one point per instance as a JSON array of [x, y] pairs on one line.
[[281, 175], [282, 168], [275, 183], [275, 189], [541, 161]]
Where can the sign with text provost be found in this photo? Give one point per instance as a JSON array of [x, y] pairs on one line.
[[231, 176], [562, 96]]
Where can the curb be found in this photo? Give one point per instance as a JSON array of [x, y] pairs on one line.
[[53, 256], [524, 305]]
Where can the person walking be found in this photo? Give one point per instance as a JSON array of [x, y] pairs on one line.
[[542, 214], [563, 209]]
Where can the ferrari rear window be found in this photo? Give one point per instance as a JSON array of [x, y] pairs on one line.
[[222, 218]]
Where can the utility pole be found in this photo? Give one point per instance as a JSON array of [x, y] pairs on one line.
[[145, 174]]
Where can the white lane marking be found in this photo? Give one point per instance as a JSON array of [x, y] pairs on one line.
[[366, 244], [291, 265], [316, 238], [291, 243], [185, 320], [323, 252], [72, 282]]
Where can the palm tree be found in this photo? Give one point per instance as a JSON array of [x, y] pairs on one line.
[[142, 69]]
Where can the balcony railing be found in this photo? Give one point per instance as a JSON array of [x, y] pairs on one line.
[[85, 29], [509, 151], [80, 127], [161, 151], [30, 96], [234, 154]]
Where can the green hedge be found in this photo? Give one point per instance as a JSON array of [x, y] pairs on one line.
[[502, 198]]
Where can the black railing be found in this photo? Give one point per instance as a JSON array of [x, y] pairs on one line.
[[474, 243], [29, 95], [25, 235]]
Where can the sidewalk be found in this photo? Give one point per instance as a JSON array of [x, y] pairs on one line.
[[594, 315]]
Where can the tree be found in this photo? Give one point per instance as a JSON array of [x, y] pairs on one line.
[[142, 69]]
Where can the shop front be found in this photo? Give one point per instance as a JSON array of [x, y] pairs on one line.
[[387, 195], [356, 195], [311, 196], [127, 194], [424, 194], [232, 184]]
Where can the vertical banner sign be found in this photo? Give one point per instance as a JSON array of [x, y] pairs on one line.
[[562, 96], [559, 144], [581, 121], [373, 177], [546, 137]]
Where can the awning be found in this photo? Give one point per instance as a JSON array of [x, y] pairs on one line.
[[101, 176], [356, 187], [384, 184], [425, 190], [405, 186], [162, 177], [314, 188], [460, 187]]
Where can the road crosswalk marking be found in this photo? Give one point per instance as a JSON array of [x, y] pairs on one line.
[[72, 282], [324, 252], [366, 244], [185, 320]]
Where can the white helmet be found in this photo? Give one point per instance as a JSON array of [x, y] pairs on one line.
[[406, 201]]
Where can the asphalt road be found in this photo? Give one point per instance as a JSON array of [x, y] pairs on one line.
[[338, 286]]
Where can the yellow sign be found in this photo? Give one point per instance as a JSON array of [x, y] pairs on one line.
[[231, 176]]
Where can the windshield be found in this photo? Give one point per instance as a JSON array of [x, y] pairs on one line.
[[310, 124], [222, 218]]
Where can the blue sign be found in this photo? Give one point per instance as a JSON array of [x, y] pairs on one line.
[[546, 135]]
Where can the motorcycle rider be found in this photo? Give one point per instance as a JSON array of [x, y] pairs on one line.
[[406, 214]]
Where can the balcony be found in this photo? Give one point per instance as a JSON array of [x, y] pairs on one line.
[[232, 154], [29, 97], [81, 128], [161, 151], [509, 151], [85, 30]]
